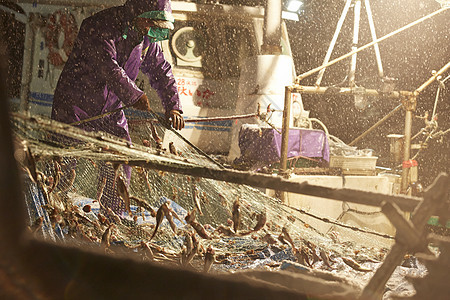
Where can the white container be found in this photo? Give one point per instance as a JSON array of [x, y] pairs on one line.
[[354, 162]]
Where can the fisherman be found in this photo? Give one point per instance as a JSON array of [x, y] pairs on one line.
[[99, 75]]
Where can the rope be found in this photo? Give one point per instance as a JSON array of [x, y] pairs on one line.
[[168, 127], [162, 122], [193, 120], [374, 126], [346, 208], [366, 213], [326, 220], [99, 116], [199, 120]]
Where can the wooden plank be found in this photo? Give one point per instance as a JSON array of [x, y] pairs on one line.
[[277, 183]]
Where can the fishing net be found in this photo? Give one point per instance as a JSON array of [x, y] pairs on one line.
[[78, 174]]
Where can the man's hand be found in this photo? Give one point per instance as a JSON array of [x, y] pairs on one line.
[[177, 121], [142, 103]]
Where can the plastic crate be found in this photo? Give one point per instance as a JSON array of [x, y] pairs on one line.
[[354, 162]]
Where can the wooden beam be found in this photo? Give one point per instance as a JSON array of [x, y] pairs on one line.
[[407, 234], [406, 203], [433, 199]]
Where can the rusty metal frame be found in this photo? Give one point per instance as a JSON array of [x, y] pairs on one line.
[[408, 101]]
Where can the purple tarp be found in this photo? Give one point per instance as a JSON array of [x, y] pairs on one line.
[[264, 144]]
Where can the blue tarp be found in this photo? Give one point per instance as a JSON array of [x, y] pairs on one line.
[[34, 201]]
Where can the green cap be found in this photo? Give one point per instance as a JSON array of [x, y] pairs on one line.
[[158, 15]]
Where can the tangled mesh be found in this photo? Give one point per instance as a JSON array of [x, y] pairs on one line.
[[80, 162]]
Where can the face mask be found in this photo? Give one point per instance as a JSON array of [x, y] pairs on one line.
[[156, 34]]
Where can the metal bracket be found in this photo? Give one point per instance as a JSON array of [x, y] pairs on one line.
[[409, 101]]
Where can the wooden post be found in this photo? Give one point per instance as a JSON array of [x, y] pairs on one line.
[[285, 139], [406, 151]]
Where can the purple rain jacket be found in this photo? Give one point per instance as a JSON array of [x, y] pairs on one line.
[[100, 72]]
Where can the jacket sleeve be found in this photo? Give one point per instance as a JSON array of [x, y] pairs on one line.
[[159, 72], [113, 74]]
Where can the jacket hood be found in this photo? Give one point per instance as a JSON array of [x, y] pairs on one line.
[[135, 8]]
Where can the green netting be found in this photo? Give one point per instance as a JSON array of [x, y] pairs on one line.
[[75, 159]]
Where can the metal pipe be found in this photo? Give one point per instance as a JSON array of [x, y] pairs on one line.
[[346, 91], [272, 28], [438, 91], [357, 17], [282, 195], [199, 120], [333, 41], [406, 151], [374, 37], [285, 129], [432, 78], [216, 119], [374, 126], [315, 70]]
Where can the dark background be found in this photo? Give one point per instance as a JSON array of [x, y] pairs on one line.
[[12, 34], [409, 56]]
